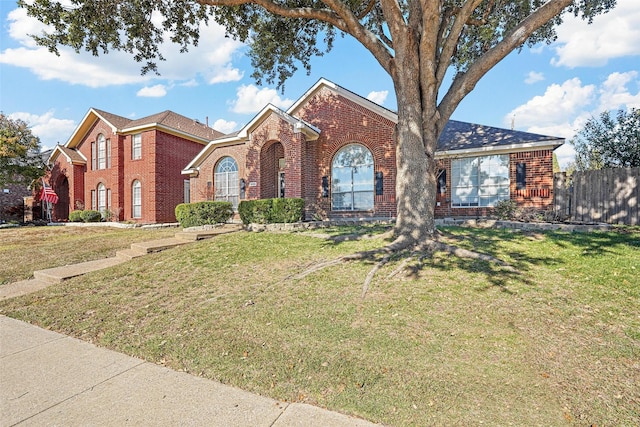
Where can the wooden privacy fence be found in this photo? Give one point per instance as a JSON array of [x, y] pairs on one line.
[[607, 195]]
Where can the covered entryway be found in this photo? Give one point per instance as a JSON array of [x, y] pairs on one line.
[[61, 188], [272, 171]]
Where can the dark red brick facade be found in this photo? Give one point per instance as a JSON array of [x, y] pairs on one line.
[[158, 170], [341, 120]]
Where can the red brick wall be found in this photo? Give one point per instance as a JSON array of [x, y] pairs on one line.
[[538, 193], [344, 122], [199, 190], [159, 172], [109, 177]]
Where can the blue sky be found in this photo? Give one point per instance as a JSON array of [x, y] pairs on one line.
[[550, 89]]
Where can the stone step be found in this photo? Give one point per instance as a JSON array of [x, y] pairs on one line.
[[129, 254], [58, 274], [194, 235], [157, 245], [23, 287]]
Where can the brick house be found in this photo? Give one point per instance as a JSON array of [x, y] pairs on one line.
[[335, 150], [128, 169]]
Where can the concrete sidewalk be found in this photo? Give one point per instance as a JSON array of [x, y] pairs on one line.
[[50, 379]]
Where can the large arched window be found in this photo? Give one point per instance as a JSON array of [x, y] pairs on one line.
[[352, 179], [225, 181], [136, 199]]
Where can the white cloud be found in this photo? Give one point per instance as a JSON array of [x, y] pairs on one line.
[[250, 99], [49, 129], [225, 126], [612, 35], [378, 96], [533, 77], [564, 109], [157, 91], [225, 74], [555, 109], [210, 60], [614, 93]]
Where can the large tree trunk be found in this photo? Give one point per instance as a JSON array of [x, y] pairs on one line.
[[416, 140]]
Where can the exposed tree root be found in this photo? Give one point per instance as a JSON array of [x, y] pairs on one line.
[[423, 249], [372, 272]]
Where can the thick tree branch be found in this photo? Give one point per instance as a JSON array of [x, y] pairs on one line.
[[368, 9], [452, 37], [337, 14], [464, 83]]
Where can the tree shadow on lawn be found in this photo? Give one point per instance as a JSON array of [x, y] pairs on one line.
[[522, 250]]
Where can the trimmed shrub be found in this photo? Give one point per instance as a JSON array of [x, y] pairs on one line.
[[203, 213], [75, 216], [269, 211], [91, 216], [287, 210]]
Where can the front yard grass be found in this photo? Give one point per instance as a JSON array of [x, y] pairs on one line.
[[26, 249], [444, 341]]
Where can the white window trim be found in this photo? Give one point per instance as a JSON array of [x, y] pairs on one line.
[[478, 187], [136, 146]]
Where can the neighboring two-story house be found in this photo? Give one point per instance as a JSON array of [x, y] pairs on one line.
[[336, 150], [127, 169]]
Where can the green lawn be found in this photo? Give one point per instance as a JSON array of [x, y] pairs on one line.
[[441, 341]]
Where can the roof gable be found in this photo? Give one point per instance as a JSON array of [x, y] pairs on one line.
[[74, 157], [167, 121], [311, 132]]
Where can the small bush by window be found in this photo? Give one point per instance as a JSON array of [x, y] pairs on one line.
[[91, 216], [75, 216]]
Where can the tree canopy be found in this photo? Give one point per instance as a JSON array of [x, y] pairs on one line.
[[415, 41], [609, 142], [20, 159]]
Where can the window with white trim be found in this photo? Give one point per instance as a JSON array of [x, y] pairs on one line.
[[102, 152], [136, 146], [136, 199], [352, 181], [225, 181], [479, 181], [102, 198]]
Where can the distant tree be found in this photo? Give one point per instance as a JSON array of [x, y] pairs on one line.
[[609, 142], [417, 42], [20, 159], [556, 164]]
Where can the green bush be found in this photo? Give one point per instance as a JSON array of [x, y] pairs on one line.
[[75, 216], [91, 216], [203, 213], [269, 211]]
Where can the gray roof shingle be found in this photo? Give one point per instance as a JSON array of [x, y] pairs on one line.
[[469, 136]]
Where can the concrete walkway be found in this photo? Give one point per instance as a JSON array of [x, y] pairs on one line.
[[51, 379]]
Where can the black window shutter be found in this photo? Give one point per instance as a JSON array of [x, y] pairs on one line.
[[521, 176]]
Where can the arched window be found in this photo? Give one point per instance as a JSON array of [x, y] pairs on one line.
[[225, 181], [352, 179], [136, 199], [102, 152], [102, 198]]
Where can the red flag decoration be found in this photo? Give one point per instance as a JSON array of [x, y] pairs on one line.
[[48, 195]]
